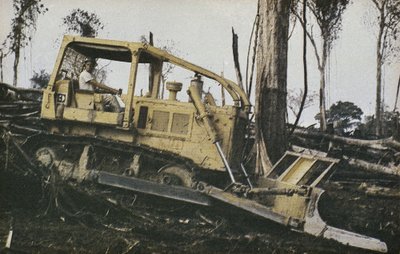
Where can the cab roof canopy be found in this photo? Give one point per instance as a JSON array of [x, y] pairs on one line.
[[110, 52]]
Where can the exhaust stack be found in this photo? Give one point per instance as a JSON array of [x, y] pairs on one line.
[[173, 88]]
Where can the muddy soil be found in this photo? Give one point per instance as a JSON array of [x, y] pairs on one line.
[[90, 219]]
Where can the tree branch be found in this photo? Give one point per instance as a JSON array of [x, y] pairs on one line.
[[310, 37], [304, 68], [248, 54]]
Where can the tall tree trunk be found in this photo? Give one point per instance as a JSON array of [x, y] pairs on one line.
[[270, 107], [397, 96], [322, 89], [378, 107], [1, 65], [16, 60], [379, 63], [17, 48], [322, 107]]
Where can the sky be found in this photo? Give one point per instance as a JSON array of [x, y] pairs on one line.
[[201, 33]]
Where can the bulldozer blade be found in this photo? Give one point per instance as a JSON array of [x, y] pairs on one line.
[[314, 225], [148, 187], [305, 172]]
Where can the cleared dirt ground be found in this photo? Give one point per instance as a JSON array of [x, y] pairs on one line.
[[91, 219]]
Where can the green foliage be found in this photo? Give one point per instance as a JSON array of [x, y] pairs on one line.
[[40, 80], [83, 23], [22, 25], [329, 17], [389, 120], [346, 115], [25, 16]]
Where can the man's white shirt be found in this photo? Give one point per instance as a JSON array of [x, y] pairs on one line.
[[84, 78]]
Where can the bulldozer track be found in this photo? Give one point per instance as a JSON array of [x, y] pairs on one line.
[[44, 139]]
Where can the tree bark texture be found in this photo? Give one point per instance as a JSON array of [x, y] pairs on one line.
[[270, 106]]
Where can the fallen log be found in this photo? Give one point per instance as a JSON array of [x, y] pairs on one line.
[[19, 116], [379, 191], [372, 166], [5, 104], [379, 144], [28, 94], [20, 89]]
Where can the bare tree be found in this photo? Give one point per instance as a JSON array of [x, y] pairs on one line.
[[387, 44], [24, 22], [295, 99], [328, 16], [270, 106], [305, 72]]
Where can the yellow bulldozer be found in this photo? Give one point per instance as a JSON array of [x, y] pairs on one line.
[[187, 147]]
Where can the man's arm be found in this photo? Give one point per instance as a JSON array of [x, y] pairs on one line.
[[106, 88]]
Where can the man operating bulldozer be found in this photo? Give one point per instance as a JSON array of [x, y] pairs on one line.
[[87, 81]]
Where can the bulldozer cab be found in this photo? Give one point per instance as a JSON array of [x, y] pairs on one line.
[[139, 69], [75, 103]]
